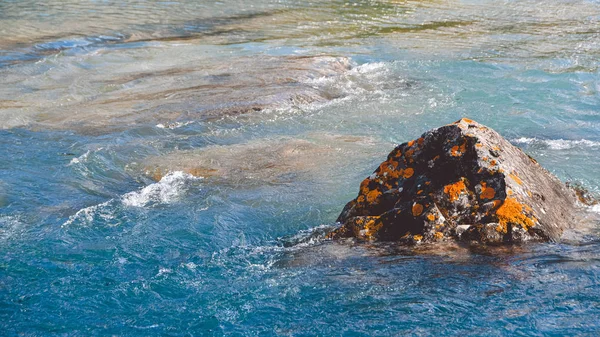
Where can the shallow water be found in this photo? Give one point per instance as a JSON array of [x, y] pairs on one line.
[[168, 168]]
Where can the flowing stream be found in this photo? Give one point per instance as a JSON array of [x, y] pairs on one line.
[[169, 167]]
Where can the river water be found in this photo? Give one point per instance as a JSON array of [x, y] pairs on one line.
[[168, 168]]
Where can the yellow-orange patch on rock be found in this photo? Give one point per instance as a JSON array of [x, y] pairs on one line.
[[438, 235], [373, 195], [364, 186], [487, 192], [388, 169], [417, 209], [516, 178], [408, 173], [458, 151], [454, 190], [511, 212], [431, 217], [372, 226]]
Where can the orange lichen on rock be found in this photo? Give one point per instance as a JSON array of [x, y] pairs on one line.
[[502, 228], [516, 178], [458, 182], [364, 186], [417, 209], [373, 195], [372, 226], [487, 192], [408, 173], [458, 151], [511, 212], [454, 190], [388, 169], [396, 153]]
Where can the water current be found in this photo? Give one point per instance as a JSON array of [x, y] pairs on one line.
[[169, 167]]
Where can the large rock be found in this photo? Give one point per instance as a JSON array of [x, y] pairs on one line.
[[459, 181]]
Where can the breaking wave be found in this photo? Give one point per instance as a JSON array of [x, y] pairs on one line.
[[166, 191]]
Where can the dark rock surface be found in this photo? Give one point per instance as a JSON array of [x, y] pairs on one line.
[[460, 181]]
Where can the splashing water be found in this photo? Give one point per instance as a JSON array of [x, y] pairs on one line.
[[172, 167]]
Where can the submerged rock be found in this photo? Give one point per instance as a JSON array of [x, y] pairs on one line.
[[199, 86], [263, 161], [459, 181]]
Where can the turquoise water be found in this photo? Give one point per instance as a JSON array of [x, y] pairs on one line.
[[169, 168]]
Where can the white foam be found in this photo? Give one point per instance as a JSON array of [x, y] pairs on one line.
[[190, 265], [163, 271], [558, 144], [175, 125], [167, 190], [86, 215], [10, 226], [360, 80], [84, 157], [595, 208], [79, 159]]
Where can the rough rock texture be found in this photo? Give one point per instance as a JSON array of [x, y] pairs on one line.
[[459, 181]]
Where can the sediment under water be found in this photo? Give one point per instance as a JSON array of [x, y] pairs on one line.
[[170, 168]]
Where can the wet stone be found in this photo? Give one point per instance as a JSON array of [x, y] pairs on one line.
[[460, 181]]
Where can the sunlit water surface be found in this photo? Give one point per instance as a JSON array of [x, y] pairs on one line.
[[169, 168]]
